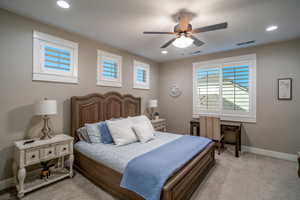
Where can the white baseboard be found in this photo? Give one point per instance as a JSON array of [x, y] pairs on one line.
[[274, 154], [6, 183]]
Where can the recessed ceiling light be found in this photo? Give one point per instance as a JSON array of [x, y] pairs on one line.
[[164, 52], [63, 4], [271, 28]]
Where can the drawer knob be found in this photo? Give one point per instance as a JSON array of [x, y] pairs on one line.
[[64, 148], [33, 156], [50, 152]]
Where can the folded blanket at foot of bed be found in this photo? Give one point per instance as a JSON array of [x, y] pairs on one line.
[[147, 173]]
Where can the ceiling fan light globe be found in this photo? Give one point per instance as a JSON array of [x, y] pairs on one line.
[[183, 42]]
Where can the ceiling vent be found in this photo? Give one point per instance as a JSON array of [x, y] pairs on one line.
[[246, 43], [196, 52]]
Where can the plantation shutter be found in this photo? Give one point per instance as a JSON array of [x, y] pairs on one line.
[[141, 75], [57, 58], [110, 69], [235, 88], [207, 90]]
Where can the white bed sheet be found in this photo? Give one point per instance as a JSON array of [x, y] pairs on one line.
[[117, 157]]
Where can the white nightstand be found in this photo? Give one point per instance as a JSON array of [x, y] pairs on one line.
[[159, 124], [59, 146]]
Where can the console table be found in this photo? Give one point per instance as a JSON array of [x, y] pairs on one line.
[[60, 146], [226, 128]]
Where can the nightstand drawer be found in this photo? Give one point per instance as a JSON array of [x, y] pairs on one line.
[[159, 125], [32, 156], [48, 152], [63, 149]]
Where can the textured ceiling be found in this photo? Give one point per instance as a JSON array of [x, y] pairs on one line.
[[120, 23]]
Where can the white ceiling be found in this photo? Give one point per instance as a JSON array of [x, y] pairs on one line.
[[120, 23]]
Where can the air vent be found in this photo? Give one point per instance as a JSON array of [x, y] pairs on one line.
[[196, 52], [246, 43]]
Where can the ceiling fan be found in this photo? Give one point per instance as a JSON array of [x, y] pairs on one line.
[[185, 33]]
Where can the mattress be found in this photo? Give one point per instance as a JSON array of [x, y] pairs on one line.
[[117, 157]]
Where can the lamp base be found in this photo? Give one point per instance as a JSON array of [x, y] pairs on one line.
[[46, 131]]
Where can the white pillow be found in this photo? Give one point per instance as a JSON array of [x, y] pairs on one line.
[[121, 131], [143, 132], [142, 119]]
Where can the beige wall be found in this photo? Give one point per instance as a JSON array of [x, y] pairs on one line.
[[277, 126], [18, 91]]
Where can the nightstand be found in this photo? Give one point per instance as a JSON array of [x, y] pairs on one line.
[[60, 146], [159, 124]]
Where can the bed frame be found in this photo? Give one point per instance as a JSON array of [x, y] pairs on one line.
[[97, 107]]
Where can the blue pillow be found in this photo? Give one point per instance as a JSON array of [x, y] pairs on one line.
[[105, 133]]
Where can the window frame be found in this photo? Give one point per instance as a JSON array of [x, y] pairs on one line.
[[40, 72], [104, 81], [250, 116], [144, 66]]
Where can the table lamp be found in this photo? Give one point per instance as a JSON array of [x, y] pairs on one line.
[[152, 105], [46, 107]]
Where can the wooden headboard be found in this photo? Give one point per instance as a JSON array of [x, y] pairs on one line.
[[99, 107]]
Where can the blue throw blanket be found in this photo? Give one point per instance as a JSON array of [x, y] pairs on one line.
[[147, 173]]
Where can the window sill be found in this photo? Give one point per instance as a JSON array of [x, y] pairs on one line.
[[109, 84], [54, 78], [235, 118], [143, 87]]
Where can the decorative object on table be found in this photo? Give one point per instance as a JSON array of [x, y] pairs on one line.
[[175, 91], [156, 115], [46, 172], [285, 89], [46, 107], [152, 105]]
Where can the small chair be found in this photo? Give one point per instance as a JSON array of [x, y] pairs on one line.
[[210, 127]]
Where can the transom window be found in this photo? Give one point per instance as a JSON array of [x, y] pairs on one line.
[[54, 59], [226, 87], [109, 69], [141, 74]]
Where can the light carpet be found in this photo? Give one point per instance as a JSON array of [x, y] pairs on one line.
[[250, 177]]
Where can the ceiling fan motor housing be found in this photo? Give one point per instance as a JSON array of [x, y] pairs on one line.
[[177, 29]]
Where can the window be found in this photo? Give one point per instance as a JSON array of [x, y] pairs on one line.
[[109, 69], [226, 87], [54, 59], [141, 74]]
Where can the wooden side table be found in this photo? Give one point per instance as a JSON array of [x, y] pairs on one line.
[[159, 124], [235, 128], [226, 127], [39, 151]]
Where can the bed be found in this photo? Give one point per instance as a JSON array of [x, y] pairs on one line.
[[98, 107]]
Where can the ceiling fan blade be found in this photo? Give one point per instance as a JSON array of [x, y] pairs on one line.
[[197, 42], [153, 32], [168, 43], [210, 28]]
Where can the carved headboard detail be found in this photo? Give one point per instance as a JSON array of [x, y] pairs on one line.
[[99, 107]]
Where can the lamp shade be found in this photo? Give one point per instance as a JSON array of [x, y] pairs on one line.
[[152, 103], [45, 107]]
